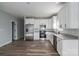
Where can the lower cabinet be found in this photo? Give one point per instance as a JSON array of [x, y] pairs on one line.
[[36, 35], [49, 36], [59, 46], [52, 39], [67, 47]]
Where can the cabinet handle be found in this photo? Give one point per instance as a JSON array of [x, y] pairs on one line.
[[65, 25], [60, 26]]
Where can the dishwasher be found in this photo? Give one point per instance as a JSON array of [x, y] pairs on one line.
[[55, 42]]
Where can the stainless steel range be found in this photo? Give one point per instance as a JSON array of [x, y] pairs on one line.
[[42, 31]]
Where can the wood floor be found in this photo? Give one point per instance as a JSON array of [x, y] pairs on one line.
[[28, 48]]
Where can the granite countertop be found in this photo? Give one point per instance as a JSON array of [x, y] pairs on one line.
[[66, 36]]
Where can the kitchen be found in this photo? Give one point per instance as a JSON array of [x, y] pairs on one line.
[[42, 28], [61, 29]]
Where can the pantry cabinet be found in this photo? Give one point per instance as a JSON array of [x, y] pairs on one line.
[[68, 16]]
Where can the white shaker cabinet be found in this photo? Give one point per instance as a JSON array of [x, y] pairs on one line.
[[36, 35], [36, 24], [59, 46], [68, 16], [62, 18], [36, 29], [67, 47], [29, 21], [50, 37], [72, 15]]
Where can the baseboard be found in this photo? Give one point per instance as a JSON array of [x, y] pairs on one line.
[[5, 43]]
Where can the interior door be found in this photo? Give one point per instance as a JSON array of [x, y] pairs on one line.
[[13, 31]]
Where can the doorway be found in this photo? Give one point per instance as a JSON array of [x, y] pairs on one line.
[[13, 31]]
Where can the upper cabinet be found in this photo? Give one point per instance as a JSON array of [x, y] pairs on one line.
[[54, 18], [36, 23], [29, 21], [68, 16], [39, 22]]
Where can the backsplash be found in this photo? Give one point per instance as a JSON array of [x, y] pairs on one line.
[[71, 31]]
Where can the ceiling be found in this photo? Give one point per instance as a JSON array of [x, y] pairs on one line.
[[30, 9]]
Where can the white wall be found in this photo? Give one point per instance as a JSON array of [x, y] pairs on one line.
[[20, 29], [6, 28]]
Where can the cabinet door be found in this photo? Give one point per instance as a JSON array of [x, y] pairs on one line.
[[67, 21], [69, 16], [70, 48], [54, 22], [63, 17], [74, 15], [59, 19], [49, 24], [29, 21], [36, 24], [52, 40], [59, 46], [36, 35]]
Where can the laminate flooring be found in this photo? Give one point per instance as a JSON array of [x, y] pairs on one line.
[[28, 48]]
